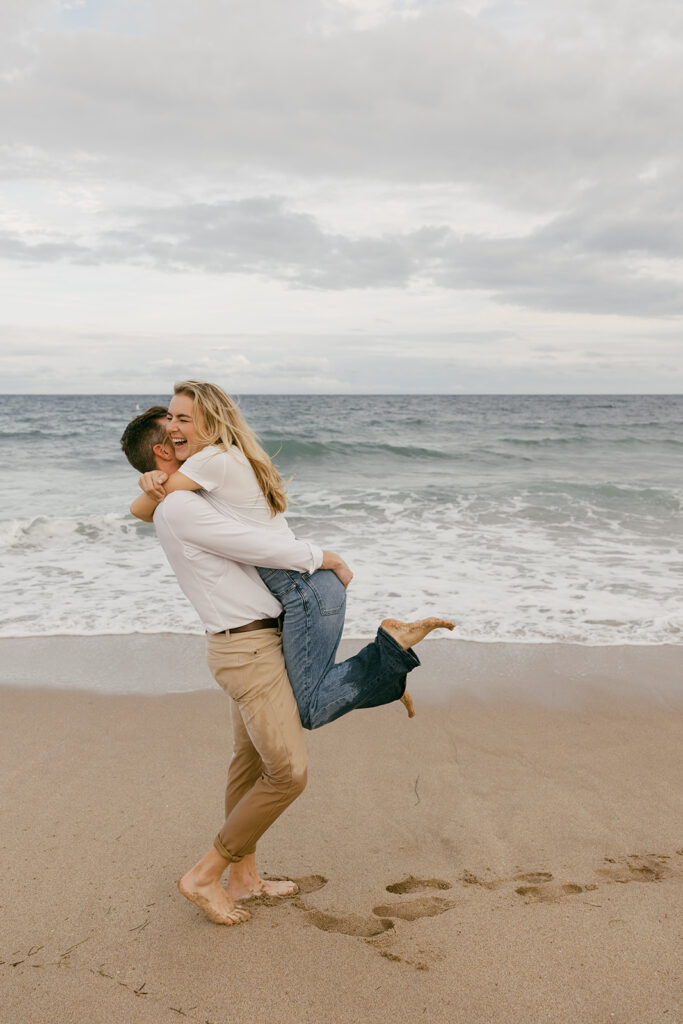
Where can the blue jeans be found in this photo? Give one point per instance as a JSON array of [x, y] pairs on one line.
[[314, 607]]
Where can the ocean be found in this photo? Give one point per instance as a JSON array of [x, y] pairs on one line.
[[525, 518]]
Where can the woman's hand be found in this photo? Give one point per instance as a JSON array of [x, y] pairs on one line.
[[152, 484], [338, 566]]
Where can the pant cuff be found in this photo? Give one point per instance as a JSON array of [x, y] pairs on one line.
[[225, 853], [404, 660]]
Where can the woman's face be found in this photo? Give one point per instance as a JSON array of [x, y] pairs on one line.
[[181, 427]]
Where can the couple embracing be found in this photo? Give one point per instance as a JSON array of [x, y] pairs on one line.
[[273, 610]]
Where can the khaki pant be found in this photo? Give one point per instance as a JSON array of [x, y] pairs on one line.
[[268, 767]]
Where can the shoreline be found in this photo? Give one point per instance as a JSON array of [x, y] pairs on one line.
[[556, 675], [349, 638]]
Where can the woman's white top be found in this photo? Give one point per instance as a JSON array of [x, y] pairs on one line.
[[230, 485]]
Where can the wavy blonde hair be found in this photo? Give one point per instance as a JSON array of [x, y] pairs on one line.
[[226, 426]]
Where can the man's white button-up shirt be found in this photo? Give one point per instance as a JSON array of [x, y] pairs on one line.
[[214, 557]]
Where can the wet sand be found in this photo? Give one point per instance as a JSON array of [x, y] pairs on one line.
[[512, 854]]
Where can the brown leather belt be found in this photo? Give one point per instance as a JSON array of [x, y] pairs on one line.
[[249, 627]]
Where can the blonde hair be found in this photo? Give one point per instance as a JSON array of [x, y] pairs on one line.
[[226, 426]]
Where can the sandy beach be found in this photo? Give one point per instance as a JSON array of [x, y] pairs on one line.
[[513, 854]]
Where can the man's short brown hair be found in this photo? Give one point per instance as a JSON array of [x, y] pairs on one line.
[[140, 436]]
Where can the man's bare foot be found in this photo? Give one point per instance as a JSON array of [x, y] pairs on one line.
[[213, 900], [279, 888], [407, 634], [245, 882], [407, 700]]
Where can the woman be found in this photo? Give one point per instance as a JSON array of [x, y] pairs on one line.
[[220, 454]]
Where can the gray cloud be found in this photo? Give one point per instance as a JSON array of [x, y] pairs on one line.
[[589, 259], [443, 96], [259, 235], [18, 248], [210, 139]]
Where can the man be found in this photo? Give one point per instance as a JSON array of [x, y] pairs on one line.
[[268, 768], [214, 557]]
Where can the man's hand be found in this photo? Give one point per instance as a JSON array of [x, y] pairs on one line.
[[338, 566], [152, 484]]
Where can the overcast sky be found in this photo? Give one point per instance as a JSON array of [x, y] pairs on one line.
[[341, 195]]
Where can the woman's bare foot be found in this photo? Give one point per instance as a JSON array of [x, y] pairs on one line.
[[407, 700], [407, 634], [212, 900]]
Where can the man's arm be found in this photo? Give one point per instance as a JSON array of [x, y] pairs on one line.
[[194, 521]]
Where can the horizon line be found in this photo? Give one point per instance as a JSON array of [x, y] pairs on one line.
[[360, 394]]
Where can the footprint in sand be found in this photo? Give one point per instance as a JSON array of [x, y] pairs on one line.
[[411, 910], [541, 888], [348, 924], [412, 884], [651, 867], [637, 867], [531, 877], [539, 885], [344, 924], [547, 893], [469, 878], [310, 883], [368, 927]]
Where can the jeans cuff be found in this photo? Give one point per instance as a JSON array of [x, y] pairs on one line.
[[405, 660]]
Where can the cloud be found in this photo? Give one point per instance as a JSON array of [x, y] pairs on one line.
[[441, 95], [591, 258], [440, 162], [14, 247]]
